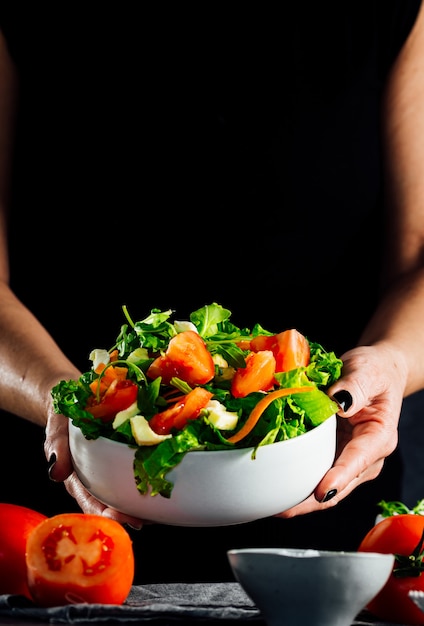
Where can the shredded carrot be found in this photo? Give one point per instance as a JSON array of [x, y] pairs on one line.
[[114, 355], [100, 385], [263, 404]]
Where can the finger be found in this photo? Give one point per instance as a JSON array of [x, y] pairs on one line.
[[363, 379], [56, 448], [355, 465], [362, 448], [311, 504], [89, 504]]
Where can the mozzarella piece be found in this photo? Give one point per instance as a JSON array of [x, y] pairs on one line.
[[219, 361], [123, 416], [180, 327], [220, 417], [99, 356], [143, 434], [225, 372]]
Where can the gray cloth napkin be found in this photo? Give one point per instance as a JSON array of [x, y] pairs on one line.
[[158, 605], [154, 604]]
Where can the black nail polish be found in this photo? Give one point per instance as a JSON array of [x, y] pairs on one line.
[[329, 495], [132, 526], [343, 399], [51, 464]]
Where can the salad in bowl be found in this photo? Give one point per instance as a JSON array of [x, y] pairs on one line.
[[167, 388]]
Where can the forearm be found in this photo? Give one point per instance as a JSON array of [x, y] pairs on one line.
[[31, 362], [398, 323]]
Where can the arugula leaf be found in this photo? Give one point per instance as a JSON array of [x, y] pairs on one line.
[[399, 508], [153, 463], [208, 317]]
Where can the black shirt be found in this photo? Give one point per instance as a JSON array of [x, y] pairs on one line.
[[171, 160]]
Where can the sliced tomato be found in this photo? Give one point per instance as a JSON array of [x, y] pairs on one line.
[[290, 348], [258, 375], [118, 396], [263, 342], [187, 358], [244, 344], [177, 416], [16, 524], [77, 557]]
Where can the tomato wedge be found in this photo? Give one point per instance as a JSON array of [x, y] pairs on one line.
[[118, 396], [258, 375], [187, 358], [290, 348], [77, 557], [16, 524], [177, 416]]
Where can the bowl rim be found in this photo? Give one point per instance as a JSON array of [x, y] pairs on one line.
[[306, 553]]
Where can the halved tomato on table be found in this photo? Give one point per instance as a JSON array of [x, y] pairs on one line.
[[77, 557]]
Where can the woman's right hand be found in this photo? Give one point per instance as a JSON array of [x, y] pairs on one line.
[[56, 448]]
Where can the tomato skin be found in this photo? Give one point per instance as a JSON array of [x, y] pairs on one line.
[[398, 534], [187, 358], [263, 342], [177, 416], [77, 557], [258, 375], [119, 396], [16, 524], [290, 348]]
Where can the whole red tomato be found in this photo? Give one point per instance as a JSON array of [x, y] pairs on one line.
[[401, 535], [77, 557], [16, 524]]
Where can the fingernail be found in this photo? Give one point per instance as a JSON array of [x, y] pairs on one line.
[[329, 495], [133, 526], [343, 399], [51, 464]]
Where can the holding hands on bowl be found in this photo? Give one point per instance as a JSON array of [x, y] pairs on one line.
[[203, 385], [370, 391]]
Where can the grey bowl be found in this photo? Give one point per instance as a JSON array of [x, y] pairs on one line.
[[314, 587]]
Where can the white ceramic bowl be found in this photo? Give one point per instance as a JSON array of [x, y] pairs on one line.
[[313, 587], [210, 488]]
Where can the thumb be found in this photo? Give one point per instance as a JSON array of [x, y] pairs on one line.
[[366, 374]]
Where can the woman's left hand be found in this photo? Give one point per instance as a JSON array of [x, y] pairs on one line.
[[370, 391]]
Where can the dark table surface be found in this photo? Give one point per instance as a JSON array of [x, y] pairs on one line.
[[196, 604]]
